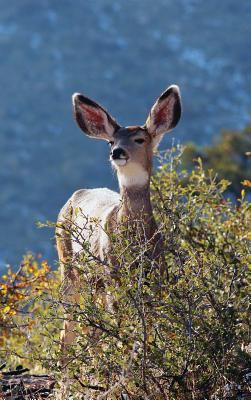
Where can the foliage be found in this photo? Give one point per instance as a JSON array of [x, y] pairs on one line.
[[23, 306], [227, 156], [181, 333]]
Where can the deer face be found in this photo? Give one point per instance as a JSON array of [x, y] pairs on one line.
[[131, 148], [131, 144], [131, 155]]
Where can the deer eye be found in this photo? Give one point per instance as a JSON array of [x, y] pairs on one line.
[[140, 141]]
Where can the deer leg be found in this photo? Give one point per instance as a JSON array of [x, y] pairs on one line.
[[70, 295], [70, 292]]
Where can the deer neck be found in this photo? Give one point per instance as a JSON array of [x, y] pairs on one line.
[[136, 204]]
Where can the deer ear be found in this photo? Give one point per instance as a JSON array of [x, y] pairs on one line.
[[165, 114], [93, 119]]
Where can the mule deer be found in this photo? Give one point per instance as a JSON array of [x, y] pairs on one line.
[[131, 152]]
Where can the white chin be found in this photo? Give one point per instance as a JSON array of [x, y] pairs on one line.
[[120, 162]]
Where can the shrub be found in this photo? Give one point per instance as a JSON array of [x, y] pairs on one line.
[[25, 305], [181, 334], [227, 156]]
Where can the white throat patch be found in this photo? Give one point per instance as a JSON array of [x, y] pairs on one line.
[[132, 174]]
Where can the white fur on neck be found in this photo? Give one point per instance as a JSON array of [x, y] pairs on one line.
[[132, 174]]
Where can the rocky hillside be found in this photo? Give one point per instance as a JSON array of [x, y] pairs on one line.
[[123, 54]]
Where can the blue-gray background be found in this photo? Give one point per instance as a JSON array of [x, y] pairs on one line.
[[122, 53]]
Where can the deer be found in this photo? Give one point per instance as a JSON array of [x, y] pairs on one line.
[[131, 154]]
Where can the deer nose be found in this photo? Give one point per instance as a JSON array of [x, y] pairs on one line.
[[118, 153]]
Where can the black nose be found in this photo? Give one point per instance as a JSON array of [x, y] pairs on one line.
[[118, 153]]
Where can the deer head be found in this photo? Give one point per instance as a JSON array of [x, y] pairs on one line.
[[131, 148]]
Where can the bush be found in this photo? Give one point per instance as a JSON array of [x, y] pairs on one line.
[[26, 331], [227, 156], [178, 335]]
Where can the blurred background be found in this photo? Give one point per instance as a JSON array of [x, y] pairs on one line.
[[123, 54]]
